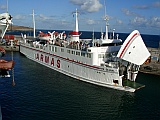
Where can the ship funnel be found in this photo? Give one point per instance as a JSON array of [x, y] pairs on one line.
[[133, 49]]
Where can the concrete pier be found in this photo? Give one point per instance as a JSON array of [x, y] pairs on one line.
[[9, 48], [154, 66], [151, 68]]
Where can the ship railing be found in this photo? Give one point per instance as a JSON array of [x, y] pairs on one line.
[[111, 64], [27, 44], [39, 46], [78, 45]]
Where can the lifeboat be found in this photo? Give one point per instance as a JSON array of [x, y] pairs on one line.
[[5, 66]]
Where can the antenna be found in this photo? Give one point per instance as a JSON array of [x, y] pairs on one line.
[[105, 8]]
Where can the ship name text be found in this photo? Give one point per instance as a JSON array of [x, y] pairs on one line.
[[47, 59]]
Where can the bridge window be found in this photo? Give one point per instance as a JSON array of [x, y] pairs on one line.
[[62, 50], [77, 53], [55, 49], [100, 55], [73, 52], [68, 51], [89, 50], [83, 54], [50, 48], [88, 55], [107, 55]]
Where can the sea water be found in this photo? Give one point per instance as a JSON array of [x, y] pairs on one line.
[[41, 93]]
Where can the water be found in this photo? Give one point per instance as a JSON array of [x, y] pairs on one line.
[[44, 94]]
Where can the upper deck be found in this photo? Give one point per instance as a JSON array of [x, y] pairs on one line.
[[82, 51]]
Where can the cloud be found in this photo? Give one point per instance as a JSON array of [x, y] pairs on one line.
[[51, 22], [88, 5], [42, 21], [3, 7], [156, 4], [153, 5], [141, 7], [42, 17], [77, 2], [119, 22], [139, 21], [153, 22], [91, 22], [128, 12], [19, 17]]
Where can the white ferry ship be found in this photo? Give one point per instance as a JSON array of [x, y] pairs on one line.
[[104, 62]]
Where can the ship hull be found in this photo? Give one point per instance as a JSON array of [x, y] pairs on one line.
[[75, 69]]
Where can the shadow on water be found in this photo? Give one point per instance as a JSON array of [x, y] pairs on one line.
[[44, 94]]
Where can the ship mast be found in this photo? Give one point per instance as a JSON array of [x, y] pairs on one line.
[[34, 25], [107, 24], [76, 27], [75, 34]]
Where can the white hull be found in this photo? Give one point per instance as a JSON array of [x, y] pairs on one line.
[[75, 69]]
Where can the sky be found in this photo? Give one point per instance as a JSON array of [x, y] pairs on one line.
[[124, 15]]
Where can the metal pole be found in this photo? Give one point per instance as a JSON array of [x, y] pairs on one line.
[[13, 82]]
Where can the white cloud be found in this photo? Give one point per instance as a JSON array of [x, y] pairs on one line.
[[154, 22], [91, 22], [156, 4], [42, 17], [3, 7], [19, 17], [139, 21], [141, 7], [153, 5], [128, 12], [77, 2], [119, 22], [88, 5]]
